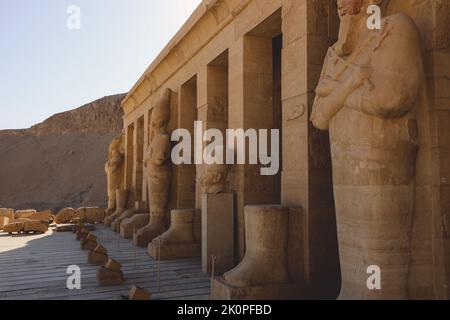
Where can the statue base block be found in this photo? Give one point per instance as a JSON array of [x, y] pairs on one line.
[[175, 251], [108, 277], [128, 226], [137, 293], [285, 291], [95, 258], [141, 240], [88, 244]]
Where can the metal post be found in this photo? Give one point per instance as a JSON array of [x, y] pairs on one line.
[[213, 263]]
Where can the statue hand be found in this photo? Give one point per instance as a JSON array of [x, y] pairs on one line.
[[359, 77], [318, 118]]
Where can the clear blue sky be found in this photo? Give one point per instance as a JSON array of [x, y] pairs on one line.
[[46, 68]]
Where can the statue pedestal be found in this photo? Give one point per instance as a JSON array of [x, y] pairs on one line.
[[217, 232], [90, 243], [181, 241], [263, 272], [110, 274], [136, 222], [286, 291], [98, 256]]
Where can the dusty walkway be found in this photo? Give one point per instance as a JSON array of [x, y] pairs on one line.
[[34, 268]]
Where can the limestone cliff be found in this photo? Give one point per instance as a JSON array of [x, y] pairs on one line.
[[60, 162]]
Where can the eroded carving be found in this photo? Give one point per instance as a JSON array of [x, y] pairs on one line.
[[366, 99]]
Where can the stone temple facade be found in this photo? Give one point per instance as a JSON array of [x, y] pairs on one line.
[[360, 208]]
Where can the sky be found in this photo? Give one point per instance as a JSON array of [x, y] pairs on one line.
[[49, 65]]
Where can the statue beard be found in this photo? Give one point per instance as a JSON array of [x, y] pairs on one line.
[[347, 35]]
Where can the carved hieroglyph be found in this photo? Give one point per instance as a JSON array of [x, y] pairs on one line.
[[158, 171], [366, 98], [114, 169]]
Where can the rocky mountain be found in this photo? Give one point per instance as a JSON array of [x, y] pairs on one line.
[[60, 162]]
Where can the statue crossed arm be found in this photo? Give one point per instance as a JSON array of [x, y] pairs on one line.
[[386, 89]]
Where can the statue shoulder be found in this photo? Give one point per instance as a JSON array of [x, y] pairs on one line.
[[401, 25]]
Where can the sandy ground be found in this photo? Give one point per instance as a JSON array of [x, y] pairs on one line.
[[51, 172]]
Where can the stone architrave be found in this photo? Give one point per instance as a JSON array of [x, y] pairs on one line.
[[366, 98]]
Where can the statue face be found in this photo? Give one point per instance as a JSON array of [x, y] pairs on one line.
[[350, 7], [160, 149], [116, 145]]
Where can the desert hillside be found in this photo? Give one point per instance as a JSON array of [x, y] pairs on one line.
[[60, 162]]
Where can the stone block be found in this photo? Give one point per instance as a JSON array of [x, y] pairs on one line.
[[217, 218], [67, 227], [130, 225], [179, 242], [107, 277], [65, 216], [80, 215], [46, 215], [137, 293], [16, 227], [3, 222], [82, 234], [115, 225], [90, 243], [286, 291], [24, 214], [113, 265], [35, 226], [95, 215], [98, 256]]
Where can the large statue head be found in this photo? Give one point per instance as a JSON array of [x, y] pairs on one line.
[[161, 112], [159, 150], [214, 179], [116, 146], [353, 15]]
